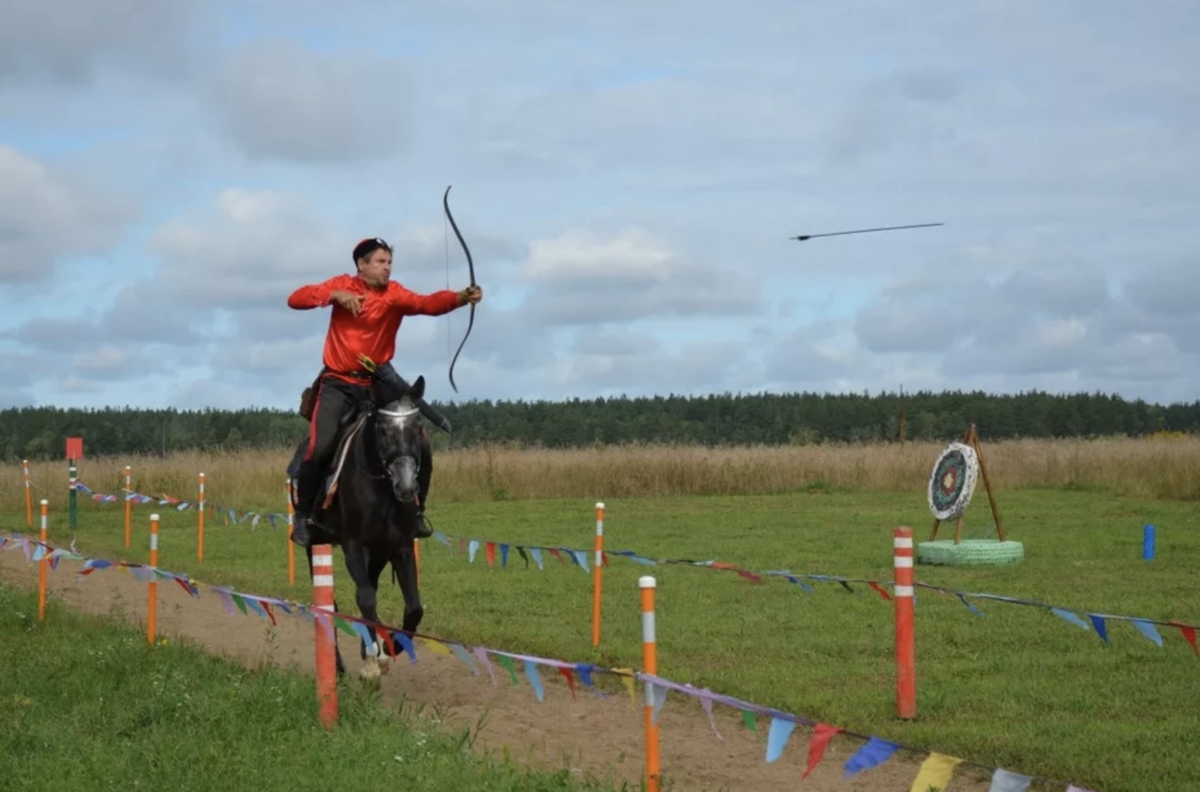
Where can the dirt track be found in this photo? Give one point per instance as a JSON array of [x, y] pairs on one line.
[[590, 732]]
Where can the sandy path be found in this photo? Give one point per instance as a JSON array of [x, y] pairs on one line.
[[593, 733]]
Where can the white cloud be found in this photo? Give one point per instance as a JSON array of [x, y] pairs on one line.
[[46, 214]]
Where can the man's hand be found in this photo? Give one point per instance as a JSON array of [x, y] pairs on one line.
[[471, 294], [349, 300]]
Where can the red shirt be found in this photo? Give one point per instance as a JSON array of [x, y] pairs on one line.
[[373, 331]]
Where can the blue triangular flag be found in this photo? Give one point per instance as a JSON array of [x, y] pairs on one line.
[[536, 552], [1068, 616], [472, 549], [535, 680], [778, 736], [1149, 630], [1101, 627], [875, 752]]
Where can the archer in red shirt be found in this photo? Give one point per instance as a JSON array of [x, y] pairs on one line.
[[367, 311]]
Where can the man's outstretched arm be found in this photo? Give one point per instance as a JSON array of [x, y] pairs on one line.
[[316, 295], [437, 303]]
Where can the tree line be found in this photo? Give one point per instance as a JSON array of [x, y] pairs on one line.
[[719, 419]]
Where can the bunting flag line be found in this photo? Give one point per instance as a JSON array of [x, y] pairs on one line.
[[470, 547], [228, 515], [937, 768], [579, 558]]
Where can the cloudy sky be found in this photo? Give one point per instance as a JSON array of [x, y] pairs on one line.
[[627, 175]]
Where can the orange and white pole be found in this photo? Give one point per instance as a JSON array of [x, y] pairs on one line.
[[28, 493], [598, 574], [322, 577], [128, 504], [291, 548], [200, 523], [43, 564], [152, 610], [646, 584], [906, 644]]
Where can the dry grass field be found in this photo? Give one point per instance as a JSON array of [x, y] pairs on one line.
[[1165, 467]]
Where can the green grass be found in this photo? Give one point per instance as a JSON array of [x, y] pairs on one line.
[[1019, 688], [86, 704]]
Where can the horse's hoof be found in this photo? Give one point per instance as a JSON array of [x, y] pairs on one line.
[[369, 672], [385, 664]]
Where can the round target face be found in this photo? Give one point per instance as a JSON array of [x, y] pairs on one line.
[[953, 481]]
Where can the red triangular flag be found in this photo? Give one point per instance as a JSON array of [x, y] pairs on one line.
[[566, 672], [556, 554], [821, 736], [490, 549], [880, 589], [1189, 635], [270, 615]]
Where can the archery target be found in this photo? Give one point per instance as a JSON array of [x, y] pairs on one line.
[[953, 481]]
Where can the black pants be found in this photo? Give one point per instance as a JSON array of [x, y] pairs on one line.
[[334, 399]]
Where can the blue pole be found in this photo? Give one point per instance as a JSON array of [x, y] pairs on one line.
[[1148, 542]]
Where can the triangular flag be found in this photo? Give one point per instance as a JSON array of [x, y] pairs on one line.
[[707, 703], [627, 679], [821, 736], [750, 721], [490, 551], [535, 680], [875, 752], [1101, 627], [1005, 781], [507, 662], [481, 653], [936, 771], [1148, 629], [472, 549], [566, 672], [658, 694], [778, 736], [537, 557], [521, 551], [1068, 616], [1189, 635], [503, 556], [461, 653]]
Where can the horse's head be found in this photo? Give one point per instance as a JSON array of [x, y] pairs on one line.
[[398, 436]]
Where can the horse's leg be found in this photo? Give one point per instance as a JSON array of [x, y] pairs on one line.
[[365, 594], [404, 566], [375, 566], [341, 667]]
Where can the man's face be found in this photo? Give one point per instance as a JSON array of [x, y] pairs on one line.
[[376, 269]]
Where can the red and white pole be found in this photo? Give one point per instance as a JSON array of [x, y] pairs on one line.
[[152, 608], [647, 584], [906, 642], [598, 575], [28, 492], [200, 522], [322, 577]]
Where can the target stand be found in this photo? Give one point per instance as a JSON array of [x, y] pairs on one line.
[[951, 485]]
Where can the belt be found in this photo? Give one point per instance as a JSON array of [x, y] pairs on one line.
[[361, 375]]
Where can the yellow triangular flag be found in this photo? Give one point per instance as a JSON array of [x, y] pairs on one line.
[[435, 646], [936, 771], [628, 680]]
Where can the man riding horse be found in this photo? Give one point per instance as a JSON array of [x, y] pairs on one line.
[[367, 310]]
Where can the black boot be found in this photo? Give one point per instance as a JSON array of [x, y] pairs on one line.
[[423, 531], [300, 530]]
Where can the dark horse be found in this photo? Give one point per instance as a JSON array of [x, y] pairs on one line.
[[371, 515]]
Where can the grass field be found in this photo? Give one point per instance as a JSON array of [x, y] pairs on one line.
[[173, 717], [1019, 688]]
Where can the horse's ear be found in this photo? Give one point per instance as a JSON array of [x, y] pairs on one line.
[[418, 389]]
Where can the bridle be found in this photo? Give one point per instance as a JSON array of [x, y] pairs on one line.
[[397, 453]]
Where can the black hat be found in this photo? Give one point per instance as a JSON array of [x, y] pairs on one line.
[[369, 246]]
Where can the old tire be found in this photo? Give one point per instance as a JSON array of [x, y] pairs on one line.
[[970, 552]]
